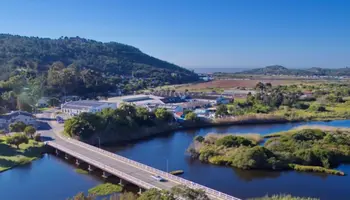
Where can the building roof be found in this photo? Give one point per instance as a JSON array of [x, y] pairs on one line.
[[83, 104], [15, 114], [172, 100], [138, 100]]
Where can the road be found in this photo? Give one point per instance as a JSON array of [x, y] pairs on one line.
[[124, 168]]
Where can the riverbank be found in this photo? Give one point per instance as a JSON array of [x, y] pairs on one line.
[[11, 157], [143, 133], [307, 149]]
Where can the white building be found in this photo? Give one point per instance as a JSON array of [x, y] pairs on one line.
[[172, 108], [137, 100], [16, 116], [43, 102], [77, 107]]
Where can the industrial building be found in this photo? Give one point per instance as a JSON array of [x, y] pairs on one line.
[[77, 107]]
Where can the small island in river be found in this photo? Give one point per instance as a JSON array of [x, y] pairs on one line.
[[308, 148]]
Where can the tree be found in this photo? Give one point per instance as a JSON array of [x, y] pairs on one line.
[[37, 137], [260, 86], [163, 114], [18, 126], [156, 194], [191, 116], [30, 131], [2, 132], [128, 196], [221, 110], [189, 194], [17, 139], [82, 196]]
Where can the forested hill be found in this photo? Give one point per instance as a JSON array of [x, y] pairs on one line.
[[108, 59], [280, 70]]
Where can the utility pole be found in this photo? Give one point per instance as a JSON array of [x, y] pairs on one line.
[[167, 165]]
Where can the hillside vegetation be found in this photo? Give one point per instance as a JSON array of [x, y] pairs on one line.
[[280, 70], [32, 67], [33, 53]]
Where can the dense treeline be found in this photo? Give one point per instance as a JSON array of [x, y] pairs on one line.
[[322, 149], [116, 123], [177, 192], [322, 100], [31, 67], [280, 70], [38, 54]]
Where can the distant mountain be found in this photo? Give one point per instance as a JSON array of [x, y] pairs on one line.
[[108, 59], [280, 70]]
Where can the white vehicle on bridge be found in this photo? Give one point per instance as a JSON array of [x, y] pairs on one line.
[[158, 178]]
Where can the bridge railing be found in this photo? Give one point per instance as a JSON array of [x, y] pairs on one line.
[[166, 175], [106, 168]]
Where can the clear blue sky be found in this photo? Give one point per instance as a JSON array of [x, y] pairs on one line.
[[209, 33]]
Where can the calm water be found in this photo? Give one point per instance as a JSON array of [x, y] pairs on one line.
[[244, 184], [49, 178], [53, 178]]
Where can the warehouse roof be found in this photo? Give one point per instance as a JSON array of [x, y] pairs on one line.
[[84, 104]]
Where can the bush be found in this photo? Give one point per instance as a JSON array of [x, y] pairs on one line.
[[252, 158], [233, 141], [301, 106], [199, 138], [308, 134], [37, 137], [316, 107]]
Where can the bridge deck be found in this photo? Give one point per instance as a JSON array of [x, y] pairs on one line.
[[129, 170]]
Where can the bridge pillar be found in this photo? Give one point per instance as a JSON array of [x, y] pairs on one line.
[[77, 162], [66, 156], [57, 152], [105, 174], [91, 168], [121, 182], [140, 191]]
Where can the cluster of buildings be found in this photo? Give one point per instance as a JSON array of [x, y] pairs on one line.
[[16, 116], [175, 105]]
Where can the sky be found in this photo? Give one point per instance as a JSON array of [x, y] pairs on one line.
[[198, 33]]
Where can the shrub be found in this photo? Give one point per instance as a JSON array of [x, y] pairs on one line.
[[199, 138], [233, 141], [37, 137], [316, 107], [308, 134]]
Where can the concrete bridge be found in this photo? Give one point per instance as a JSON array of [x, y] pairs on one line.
[[124, 168]]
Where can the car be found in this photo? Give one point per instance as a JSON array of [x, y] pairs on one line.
[[158, 178]]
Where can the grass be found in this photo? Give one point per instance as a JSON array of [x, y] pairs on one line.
[[81, 171], [283, 197], [11, 157], [105, 189], [43, 109], [304, 168], [292, 131]]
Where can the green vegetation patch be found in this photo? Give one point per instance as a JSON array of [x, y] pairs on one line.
[[309, 149], [81, 171], [105, 189], [283, 197], [11, 156]]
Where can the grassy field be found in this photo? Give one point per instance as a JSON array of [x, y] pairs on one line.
[[11, 157], [81, 171]]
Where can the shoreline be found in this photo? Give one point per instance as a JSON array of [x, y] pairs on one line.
[[191, 126]]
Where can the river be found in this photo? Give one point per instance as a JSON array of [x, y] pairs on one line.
[[53, 178]]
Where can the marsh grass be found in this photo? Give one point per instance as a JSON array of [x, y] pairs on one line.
[[105, 189]]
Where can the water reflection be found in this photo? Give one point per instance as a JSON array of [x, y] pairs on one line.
[[237, 182]]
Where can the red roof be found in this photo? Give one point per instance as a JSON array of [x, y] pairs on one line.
[[179, 114]]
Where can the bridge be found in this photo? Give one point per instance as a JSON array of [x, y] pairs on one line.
[[126, 169]]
